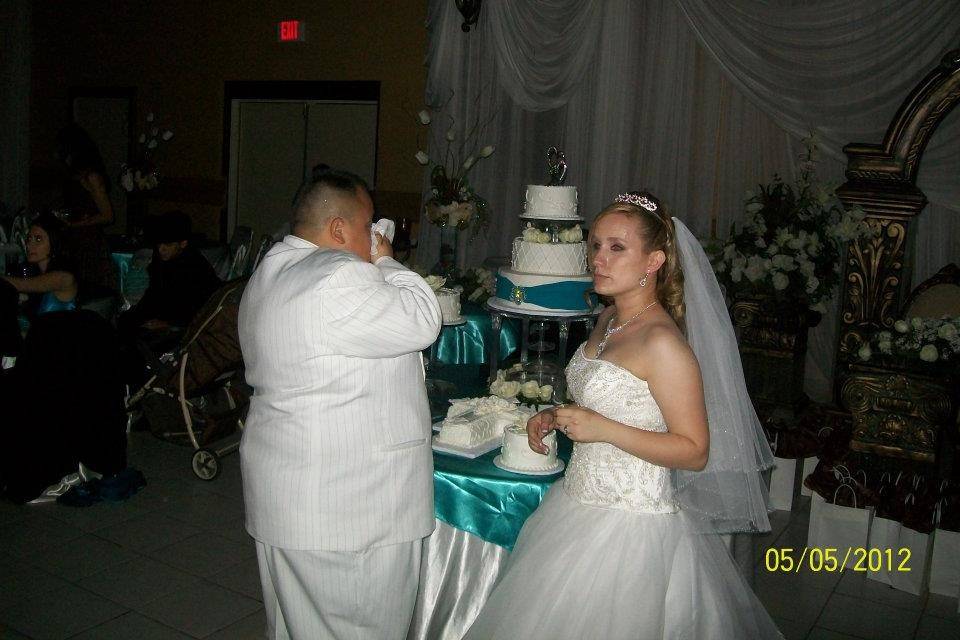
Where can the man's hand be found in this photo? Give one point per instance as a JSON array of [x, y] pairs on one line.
[[384, 248], [537, 429]]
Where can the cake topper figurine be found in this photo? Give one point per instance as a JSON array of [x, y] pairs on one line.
[[556, 167]]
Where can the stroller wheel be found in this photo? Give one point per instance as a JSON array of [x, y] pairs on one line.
[[206, 464]]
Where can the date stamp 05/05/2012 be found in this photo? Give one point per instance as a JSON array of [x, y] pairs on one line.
[[830, 559]]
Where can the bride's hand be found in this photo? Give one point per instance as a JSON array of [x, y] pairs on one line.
[[579, 424], [538, 427]]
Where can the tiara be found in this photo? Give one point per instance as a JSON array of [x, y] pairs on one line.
[[640, 201]]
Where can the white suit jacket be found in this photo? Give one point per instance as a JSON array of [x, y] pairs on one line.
[[336, 448]]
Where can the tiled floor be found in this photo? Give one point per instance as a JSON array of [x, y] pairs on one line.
[[174, 562]]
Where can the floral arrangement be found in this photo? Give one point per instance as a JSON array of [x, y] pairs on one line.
[[141, 174], [528, 392], [453, 201], [571, 235], [478, 284], [793, 241], [927, 339]]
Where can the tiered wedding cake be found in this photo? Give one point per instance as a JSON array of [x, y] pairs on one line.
[[548, 268]]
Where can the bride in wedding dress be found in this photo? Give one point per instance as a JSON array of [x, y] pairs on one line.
[[664, 458]]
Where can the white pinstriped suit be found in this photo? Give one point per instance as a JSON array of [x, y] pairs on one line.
[[336, 451]]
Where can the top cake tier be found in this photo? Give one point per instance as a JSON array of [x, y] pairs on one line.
[[550, 203]]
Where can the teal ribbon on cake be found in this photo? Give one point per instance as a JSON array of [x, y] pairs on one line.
[[467, 343], [565, 295], [478, 497]]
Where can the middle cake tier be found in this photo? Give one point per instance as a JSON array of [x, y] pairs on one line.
[[557, 259]]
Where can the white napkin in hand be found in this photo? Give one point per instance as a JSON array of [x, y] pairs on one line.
[[385, 227]]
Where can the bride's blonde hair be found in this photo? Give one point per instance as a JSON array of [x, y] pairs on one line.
[[658, 234]]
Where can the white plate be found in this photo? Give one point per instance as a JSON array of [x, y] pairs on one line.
[[467, 452], [498, 462]]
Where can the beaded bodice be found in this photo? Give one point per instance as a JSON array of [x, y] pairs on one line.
[[600, 474]]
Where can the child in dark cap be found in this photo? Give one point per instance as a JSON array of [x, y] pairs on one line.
[[181, 280]]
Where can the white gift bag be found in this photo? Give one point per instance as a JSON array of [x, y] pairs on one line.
[[945, 560], [838, 527], [781, 483], [890, 539]]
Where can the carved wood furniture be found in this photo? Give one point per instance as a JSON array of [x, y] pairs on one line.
[[896, 411]]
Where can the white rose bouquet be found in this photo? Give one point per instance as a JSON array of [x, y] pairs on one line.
[[930, 340], [528, 392], [793, 242], [571, 235]]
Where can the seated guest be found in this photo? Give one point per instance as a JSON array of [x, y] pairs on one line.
[[63, 404], [54, 288], [181, 280]]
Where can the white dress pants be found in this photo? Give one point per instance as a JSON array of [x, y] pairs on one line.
[[362, 595]]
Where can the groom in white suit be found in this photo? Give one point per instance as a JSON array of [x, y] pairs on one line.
[[336, 458]]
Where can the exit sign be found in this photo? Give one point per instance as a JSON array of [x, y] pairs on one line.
[[291, 31]]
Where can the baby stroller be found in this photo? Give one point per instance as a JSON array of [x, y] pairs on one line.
[[200, 387]]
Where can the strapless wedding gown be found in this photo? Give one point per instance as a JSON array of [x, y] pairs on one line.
[[609, 553]]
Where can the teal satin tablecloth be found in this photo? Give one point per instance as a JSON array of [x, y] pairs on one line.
[[474, 495], [467, 343], [480, 498]]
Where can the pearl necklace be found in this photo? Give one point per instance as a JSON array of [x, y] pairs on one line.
[[610, 330]]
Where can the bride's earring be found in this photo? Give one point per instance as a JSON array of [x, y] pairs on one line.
[[643, 280]]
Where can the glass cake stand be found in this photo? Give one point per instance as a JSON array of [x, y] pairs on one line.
[[500, 310]]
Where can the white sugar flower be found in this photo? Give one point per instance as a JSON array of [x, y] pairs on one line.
[[487, 151], [900, 326], [424, 116], [422, 158], [435, 282], [546, 392], [916, 323], [885, 346], [469, 162], [167, 134], [451, 135], [947, 331], [530, 389], [812, 284], [864, 352], [510, 389], [530, 233], [929, 353]]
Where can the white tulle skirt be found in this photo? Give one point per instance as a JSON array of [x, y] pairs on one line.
[[585, 572]]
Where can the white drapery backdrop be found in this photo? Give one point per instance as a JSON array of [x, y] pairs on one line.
[[696, 100]]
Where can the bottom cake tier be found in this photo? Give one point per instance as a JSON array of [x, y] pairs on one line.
[[545, 293]]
